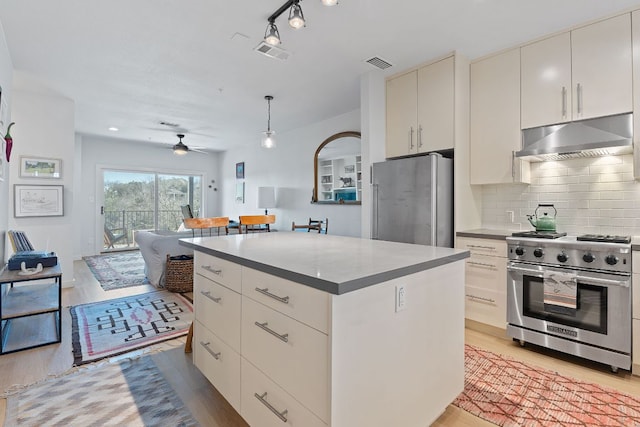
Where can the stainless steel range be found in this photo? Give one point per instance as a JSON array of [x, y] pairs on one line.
[[572, 294]]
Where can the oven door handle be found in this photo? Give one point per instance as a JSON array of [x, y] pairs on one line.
[[594, 280]]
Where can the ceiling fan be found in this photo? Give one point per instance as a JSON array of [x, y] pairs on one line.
[[181, 149]]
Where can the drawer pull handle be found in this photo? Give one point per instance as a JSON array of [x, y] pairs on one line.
[[263, 399], [208, 295], [266, 292], [481, 264], [211, 352], [211, 269], [265, 327], [488, 248], [481, 299]]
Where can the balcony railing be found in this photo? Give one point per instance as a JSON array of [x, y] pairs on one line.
[[168, 220]]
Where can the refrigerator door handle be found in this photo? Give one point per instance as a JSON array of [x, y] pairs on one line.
[[374, 208], [434, 200]]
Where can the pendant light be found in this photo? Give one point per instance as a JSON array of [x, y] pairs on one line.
[[268, 139], [296, 18]]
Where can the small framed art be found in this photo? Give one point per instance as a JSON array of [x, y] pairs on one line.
[[38, 167], [240, 170]]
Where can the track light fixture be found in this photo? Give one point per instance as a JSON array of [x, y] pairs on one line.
[[268, 138], [272, 35], [296, 19]]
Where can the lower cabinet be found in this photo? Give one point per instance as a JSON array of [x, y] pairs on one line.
[[485, 280]]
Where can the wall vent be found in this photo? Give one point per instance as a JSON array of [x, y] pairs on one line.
[[379, 63], [272, 51]]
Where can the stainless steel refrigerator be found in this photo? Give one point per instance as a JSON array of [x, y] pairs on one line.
[[413, 200]]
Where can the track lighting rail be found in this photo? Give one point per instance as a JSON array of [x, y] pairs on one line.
[[280, 10]]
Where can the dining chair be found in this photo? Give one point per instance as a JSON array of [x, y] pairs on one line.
[[253, 223], [318, 225], [204, 223]]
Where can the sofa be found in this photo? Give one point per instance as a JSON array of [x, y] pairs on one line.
[[154, 247]]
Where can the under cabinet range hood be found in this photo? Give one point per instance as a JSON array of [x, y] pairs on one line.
[[602, 136]]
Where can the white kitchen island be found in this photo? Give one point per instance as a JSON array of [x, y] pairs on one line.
[[306, 330]]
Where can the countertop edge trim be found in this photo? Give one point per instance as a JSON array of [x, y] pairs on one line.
[[481, 235], [325, 285]]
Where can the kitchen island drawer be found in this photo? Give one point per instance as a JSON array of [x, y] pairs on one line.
[[218, 362], [486, 306], [219, 270], [294, 355], [218, 308], [478, 246], [265, 404], [309, 306]]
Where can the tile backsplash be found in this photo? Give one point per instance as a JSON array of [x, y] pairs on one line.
[[592, 195]]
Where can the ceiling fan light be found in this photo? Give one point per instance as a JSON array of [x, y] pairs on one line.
[[296, 17], [180, 149], [272, 35], [268, 139], [329, 2]]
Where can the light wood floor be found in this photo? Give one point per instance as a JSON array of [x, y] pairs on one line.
[[210, 408]]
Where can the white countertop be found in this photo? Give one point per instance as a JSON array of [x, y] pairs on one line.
[[334, 264]]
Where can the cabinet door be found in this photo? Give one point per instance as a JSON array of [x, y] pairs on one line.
[[602, 67], [546, 81], [435, 106], [495, 120], [402, 107]]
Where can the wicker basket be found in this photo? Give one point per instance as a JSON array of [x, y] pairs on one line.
[[179, 273]]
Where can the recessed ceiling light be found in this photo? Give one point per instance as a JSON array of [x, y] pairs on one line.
[[114, 129]]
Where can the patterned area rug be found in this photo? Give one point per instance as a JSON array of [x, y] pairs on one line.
[[107, 328], [507, 392], [118, 270], [130, 393]]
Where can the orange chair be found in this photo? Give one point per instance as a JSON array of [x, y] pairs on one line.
[[202, 223], [249, 222]]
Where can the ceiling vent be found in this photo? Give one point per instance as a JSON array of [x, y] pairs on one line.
[[378, 63], [272, 51], [171, 125]]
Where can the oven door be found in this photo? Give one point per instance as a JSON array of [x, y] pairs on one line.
[[603, 306]]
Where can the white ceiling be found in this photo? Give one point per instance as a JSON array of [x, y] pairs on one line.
[[132, 64]]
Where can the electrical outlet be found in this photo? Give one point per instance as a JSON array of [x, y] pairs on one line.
[[401, 298], [510, 215]]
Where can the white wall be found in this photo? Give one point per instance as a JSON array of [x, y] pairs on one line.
[[289, 168], [45, 128], [595, 196], [6, 81], [99, 152]]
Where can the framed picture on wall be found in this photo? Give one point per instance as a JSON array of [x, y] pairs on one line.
[[240, 170], [38, 200], [37, 167]]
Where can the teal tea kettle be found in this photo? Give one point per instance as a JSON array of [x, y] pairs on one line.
[[544, 222]]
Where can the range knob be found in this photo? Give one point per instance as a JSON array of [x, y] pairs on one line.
[[519, 251], [588, 257], [611, 259], [538, 252], [562, 257]]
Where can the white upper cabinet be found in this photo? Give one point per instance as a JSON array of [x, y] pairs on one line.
[[435, 106], [578, 75], [420, 110], [495, 120], [402, 105]]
